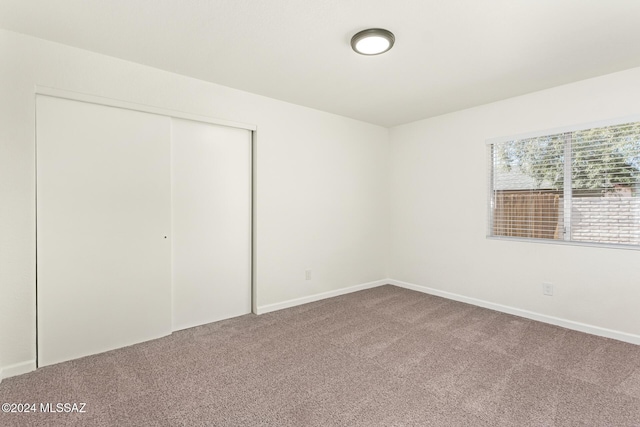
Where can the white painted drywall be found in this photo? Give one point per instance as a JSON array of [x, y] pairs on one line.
[[439, 211], [320, 179]]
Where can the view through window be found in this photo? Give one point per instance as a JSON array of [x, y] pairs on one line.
[[580, 186]]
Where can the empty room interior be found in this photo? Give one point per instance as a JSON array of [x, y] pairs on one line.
[[319, 213]]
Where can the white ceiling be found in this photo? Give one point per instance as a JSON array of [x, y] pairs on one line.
[[449, 54]]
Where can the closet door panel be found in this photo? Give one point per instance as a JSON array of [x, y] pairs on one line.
[[211, 222], [103, 224]]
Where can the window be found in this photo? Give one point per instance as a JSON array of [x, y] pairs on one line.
[[579, 185]]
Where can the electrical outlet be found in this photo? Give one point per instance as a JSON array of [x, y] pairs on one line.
[[307, 275], [547, 288]]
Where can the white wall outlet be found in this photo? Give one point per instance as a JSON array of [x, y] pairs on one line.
[[307, 275], [547, 288]]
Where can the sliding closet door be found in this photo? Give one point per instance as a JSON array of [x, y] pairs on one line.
[[211, 221], [103, 223]]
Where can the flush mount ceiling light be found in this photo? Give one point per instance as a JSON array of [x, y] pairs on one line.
[[373, 41]]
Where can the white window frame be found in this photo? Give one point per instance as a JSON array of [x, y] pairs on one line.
[[567, 183]]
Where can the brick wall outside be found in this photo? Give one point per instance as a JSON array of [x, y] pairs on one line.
[[606, 220]]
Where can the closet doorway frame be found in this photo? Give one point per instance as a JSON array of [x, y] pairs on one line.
[[126, 105]]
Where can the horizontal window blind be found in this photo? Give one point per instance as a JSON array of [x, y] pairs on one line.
[[581, 186]]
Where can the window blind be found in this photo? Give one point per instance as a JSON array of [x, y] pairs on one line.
[[581, 186]]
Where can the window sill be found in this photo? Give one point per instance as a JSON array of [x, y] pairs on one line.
[[566, 243]]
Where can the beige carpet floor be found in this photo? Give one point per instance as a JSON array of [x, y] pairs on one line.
[[380, 357]]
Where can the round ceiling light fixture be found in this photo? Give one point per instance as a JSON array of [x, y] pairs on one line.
[[373, 41]]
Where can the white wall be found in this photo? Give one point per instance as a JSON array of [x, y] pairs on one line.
[[320, 186], [439, 214]]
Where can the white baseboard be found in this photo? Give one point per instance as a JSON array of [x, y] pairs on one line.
[[569, 324], [317, 297], [17, 369]]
